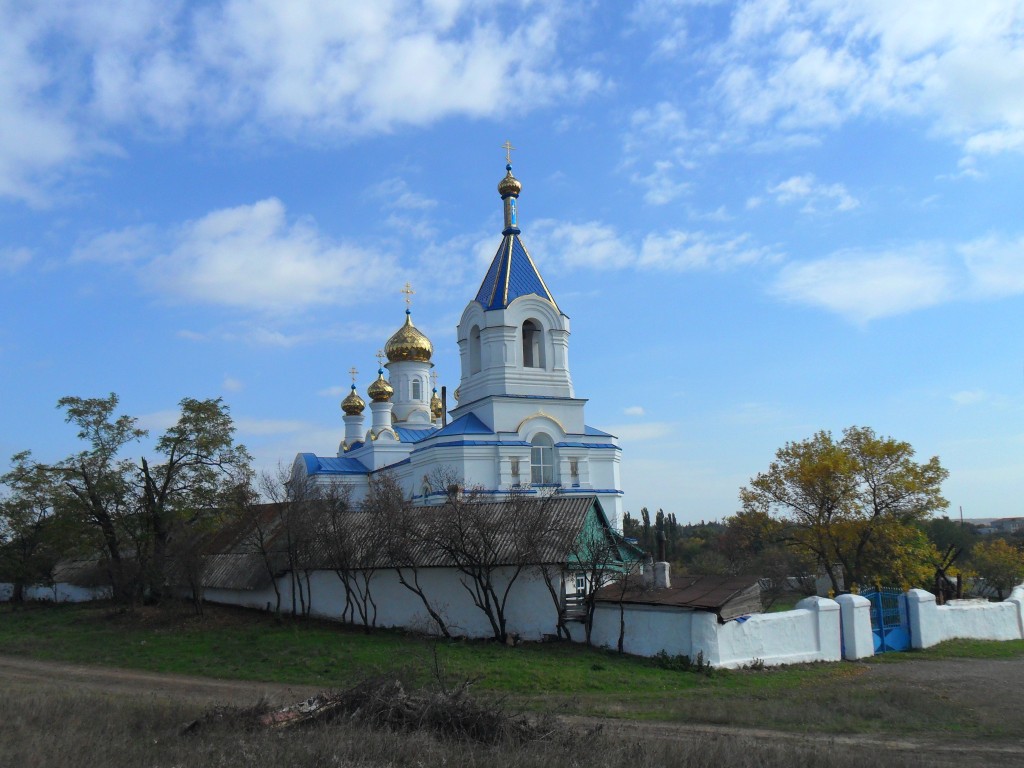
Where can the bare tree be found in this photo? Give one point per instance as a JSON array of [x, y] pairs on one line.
[[405, 539], [490, 550]]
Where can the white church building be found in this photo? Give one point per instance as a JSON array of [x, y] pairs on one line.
[[517, 425]]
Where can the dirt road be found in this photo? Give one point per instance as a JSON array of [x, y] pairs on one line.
[[983, 678]]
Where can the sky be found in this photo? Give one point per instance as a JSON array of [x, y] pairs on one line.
[[764, 218]]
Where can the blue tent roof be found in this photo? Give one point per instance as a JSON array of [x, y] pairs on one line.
[[512, 274], [332, 465], [413, 435], [466, 425]]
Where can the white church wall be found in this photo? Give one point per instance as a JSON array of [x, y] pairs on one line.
[[811, 632], [530, 613], [931, 624], [649, 629]]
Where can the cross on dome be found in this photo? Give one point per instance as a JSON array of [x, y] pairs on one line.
[[353, 373], [408, 291], [507, 146]]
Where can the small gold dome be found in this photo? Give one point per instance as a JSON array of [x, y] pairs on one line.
[[380, 391], [353, 404], [455, 394], [436, 409], [408, 343], [509, 185]]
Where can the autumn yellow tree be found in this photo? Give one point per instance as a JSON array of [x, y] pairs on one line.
[[851, 504], [1000, 564]]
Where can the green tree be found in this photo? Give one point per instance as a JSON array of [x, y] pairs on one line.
[[848, 503], [1000, 564], [143, 508], [30, 537]]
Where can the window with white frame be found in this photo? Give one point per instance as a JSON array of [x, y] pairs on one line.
[[542, 460]]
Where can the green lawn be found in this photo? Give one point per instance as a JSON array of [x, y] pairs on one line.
[[555, 677]]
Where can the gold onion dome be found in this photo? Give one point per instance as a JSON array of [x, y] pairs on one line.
[[408, 343], [436, 409], [509, 185], [380, 391], [353, 404]]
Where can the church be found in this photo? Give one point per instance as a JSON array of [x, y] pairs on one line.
[[517, 425]]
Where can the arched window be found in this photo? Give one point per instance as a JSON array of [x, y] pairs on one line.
[[416, 390], [533, 345], [542, 460], [474, 349]]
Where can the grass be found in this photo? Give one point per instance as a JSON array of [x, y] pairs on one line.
[[552, 677], [107, 730]]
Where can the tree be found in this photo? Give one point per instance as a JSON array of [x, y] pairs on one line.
[[96, 485], [28, 526], [1000, 564], [199, 474], [142, 509], [848, 503], [404, 538]]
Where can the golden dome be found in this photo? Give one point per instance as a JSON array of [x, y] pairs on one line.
[[409, 343], [380, 391], [353, 404], [509, 185], [455, 394], [436, 409]]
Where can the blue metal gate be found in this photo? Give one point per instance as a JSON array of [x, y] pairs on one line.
[[889, 620]]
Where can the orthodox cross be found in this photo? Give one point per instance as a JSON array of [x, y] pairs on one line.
[[381, 357], [433, 378], [353, 373], [507, 146], [408, 291]]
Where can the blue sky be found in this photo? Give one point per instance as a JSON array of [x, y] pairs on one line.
[[764, 218]]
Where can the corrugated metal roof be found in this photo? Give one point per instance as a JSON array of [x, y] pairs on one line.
[[87, 572], [540, 531], [728, 596]]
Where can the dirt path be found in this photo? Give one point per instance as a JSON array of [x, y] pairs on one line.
[[19, 672], [991, 678]]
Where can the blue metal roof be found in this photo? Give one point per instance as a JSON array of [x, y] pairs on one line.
[[414, 434], [594, 432], [469, 424], [332, 465], [512, 274]]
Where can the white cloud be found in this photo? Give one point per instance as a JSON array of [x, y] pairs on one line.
[[396, 193], [598, 246], [634, 410], [995, 265], [250, 257], [799, 65], [813, 195], [682, 251], [300, 69], [642, 432], [337, 391], [14, 259], [231, 384], [592, 245], [969, 397], [863, 286], [268, 426]]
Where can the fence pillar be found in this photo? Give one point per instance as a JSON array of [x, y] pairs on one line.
[[1017, 598], [704, 629], [827, 619], [924, 619], [855, 617]]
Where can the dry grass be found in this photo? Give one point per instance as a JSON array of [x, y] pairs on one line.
[[44, 728]]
